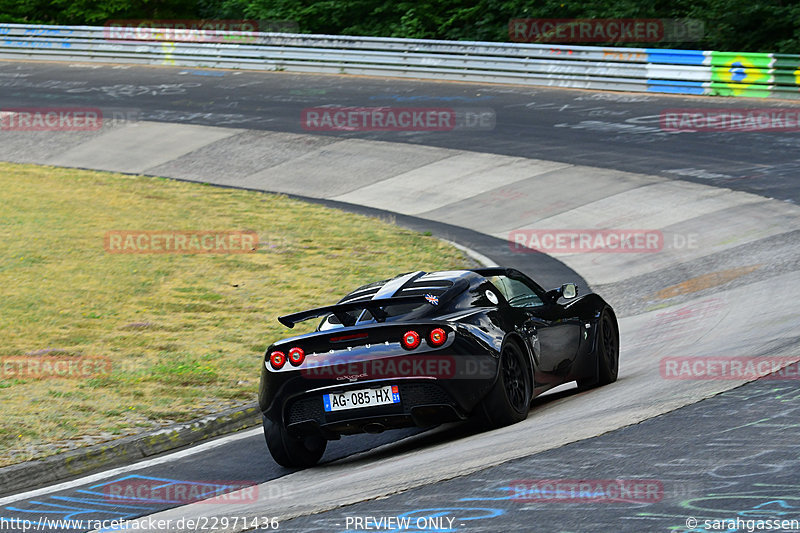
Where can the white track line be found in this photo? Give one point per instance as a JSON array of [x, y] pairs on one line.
[[128, 468]]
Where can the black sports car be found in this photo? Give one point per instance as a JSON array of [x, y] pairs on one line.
[[422, 348]]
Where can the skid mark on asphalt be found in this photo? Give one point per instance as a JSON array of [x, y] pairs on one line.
[[706, 281]]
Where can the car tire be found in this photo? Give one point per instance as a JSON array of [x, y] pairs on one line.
[[290, 451], [608, 349], [508, 402], [607, 352]]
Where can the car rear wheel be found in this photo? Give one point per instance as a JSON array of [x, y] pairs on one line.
[[509, 400], [290, 451], [608, 349], [607, 352]]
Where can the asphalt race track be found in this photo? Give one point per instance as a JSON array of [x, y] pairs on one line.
[[724, 201], [706, 469], [619, 131]]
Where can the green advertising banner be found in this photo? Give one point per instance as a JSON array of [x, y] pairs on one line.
[[787, 75], [741, 74]]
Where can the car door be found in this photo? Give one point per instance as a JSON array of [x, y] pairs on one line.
[[555, 335]]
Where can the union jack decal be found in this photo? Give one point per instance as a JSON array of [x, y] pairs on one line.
[[433, 300]]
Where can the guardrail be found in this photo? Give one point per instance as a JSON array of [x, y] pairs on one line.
[[588, 67]]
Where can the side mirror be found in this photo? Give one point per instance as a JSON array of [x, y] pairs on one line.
[[568, 291]]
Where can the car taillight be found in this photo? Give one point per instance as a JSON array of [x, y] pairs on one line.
[[410, 340], [437, 337], [277, 360], [296, 356]]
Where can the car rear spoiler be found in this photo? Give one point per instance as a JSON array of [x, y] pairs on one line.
[[375, 307]]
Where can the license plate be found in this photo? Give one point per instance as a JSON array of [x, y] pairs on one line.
[[356, 399]]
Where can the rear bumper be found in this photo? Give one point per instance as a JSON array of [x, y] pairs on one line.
[[423, 402]]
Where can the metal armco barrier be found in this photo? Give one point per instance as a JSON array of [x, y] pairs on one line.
[[588, 67]]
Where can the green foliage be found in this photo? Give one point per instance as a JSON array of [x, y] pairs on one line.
[[92, 12], [732, 25]]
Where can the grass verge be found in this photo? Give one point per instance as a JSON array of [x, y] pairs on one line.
[[182, 334]]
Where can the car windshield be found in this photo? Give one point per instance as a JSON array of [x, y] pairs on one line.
[[516, 292]]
